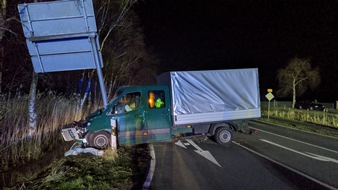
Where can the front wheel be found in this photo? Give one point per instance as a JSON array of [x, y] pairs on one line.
[[223, 136], [100, 140]]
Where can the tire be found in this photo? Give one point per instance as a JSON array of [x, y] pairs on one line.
[[223, 136], [100, 140]]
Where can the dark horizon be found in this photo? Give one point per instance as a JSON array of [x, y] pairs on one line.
[[205, 35]]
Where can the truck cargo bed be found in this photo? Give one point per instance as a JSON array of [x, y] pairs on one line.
[[212, 96]]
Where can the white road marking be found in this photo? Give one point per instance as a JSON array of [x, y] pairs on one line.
[[287, 167], [151, 172], [204, 153], [296, 140], [322, 158], [179, 143], [310, 155]]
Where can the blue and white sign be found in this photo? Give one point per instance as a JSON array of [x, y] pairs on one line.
[[61, 36]]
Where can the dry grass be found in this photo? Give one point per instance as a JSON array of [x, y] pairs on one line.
[[53, 113], [38, 162]]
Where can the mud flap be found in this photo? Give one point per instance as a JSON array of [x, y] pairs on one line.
[[242, 127]]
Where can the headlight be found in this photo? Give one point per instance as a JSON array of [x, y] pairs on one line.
[[81, 131]]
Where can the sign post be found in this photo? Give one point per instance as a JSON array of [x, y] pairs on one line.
[[269, 96], [62, 36]]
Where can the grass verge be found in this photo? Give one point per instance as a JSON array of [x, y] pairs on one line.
[[122, 169], [308, 127]]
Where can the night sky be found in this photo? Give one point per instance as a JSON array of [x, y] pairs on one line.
[[263, 34]]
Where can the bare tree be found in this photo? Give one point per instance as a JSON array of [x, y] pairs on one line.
[[296, 78], [110, 18], [122, 45], [128, 62], [3, 5], [3, 28]]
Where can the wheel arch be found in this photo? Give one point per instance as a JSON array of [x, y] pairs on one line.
[[93, 132], [215, 126]]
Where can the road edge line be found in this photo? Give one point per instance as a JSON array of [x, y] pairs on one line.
[[151, 171], [287, 167], [310, 132], [295, 140]]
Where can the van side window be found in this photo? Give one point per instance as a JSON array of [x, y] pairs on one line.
[[128, 102], [156, 99]]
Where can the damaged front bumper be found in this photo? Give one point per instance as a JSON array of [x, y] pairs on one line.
[[70, 134], [76, 131]]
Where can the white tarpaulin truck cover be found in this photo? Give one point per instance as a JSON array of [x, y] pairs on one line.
[[213, 95]]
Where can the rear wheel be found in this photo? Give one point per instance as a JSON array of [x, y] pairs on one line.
[[100, 140], [223, 136]]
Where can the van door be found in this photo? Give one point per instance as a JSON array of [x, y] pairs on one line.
[[157, 117], [129, 115]]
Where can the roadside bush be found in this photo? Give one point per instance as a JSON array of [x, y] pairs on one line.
[[310, 116], [85, 171]]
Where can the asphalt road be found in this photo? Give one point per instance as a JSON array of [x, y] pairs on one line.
[[268, 159], [313, 155]]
